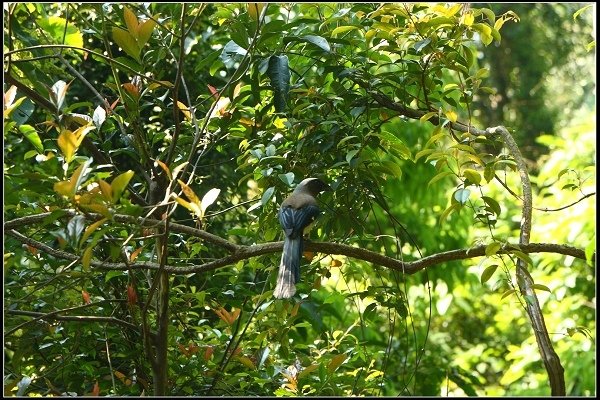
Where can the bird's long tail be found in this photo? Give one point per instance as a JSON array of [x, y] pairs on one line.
[[289, 269]]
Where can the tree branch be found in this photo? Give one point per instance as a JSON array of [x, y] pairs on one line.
[[77, 318], [246, 252]]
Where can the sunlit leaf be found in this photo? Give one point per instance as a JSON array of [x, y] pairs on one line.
[[209, 198], [127, 42], [119, 184], [32, 136]]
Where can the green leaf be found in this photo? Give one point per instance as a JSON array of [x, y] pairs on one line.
[[589, 251], [318, 41], [539, 286], [32, 136], [350, 155], [119, 184], [232, 52], [343, 29], [288, 178], [279, 74], [523, 256], [489, 172], [267, 195], [55, 26], [493, 204], [448, 211], [439, 176], [487, 273], [75, 228], [507, 293], [472, 175]]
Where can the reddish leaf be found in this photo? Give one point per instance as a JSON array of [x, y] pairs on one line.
[[86, 297], [131, 296], [213, 90], [95, 390]]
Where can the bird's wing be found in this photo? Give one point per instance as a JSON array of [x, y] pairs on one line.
[[293, 221]]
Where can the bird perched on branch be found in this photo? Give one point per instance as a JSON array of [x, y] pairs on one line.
[[296, 214]]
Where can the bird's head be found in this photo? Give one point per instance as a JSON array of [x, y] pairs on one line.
[[314, 186]]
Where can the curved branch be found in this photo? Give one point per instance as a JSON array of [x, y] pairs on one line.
[[556, 372]]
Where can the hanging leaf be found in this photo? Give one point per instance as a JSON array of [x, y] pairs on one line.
[[487, 273], [86, 259], [279, 74]]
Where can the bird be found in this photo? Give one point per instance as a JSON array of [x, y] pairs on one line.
[[296, 214]]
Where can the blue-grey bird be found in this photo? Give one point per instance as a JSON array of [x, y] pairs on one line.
[[297, 212]]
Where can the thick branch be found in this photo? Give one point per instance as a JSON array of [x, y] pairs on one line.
[[246, 252]]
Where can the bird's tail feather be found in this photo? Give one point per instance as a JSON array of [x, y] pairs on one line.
[[289, 269]]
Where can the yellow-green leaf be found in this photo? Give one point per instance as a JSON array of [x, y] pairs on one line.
[[427, 116], [439, 176], [185, 110], [106, 189], [507, 293], [90, 229], [448, 211], [69, 188], [343, 29], [247, 362], [189, 193], [119, 184], [472, 176], [492, 248], [145, 30], [67, 142], [86, 258], [127, 42], [131, 21], [451, 115]]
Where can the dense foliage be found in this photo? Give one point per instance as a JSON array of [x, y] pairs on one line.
[[204, 117]]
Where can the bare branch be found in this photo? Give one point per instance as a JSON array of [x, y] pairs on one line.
[[77, 318]]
